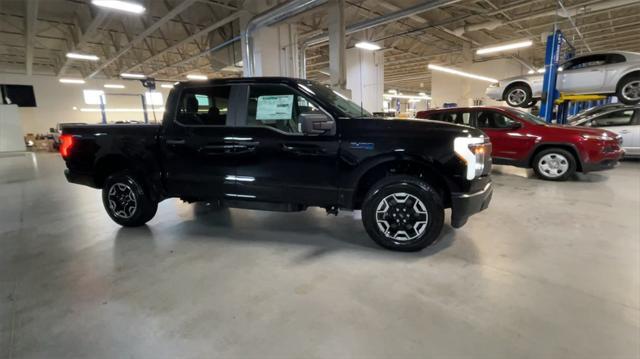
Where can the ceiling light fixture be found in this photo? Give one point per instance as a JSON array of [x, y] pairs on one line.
[[120, 5], [132, 76], [77, 56], [167, 86], [196, 77], [507, 47], [368, 46], [419, 97], [113, 86], [72, 81], [460, 73]]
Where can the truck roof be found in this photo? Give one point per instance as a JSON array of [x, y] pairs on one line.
[[244, 80]]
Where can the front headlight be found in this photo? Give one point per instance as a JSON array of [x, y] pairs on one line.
[[587, 136], [473, 151]]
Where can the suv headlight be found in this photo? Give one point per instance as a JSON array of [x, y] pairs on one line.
[[594, 137], [474, 151]]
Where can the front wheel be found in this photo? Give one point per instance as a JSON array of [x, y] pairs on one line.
[[127, 200], [403, 213], [629, 90], [554, 164]]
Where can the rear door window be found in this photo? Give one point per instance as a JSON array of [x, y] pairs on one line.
[[616, 118], [493, 120], [204, 106]]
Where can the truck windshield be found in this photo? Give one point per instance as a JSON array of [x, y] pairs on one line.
[[336, 99]]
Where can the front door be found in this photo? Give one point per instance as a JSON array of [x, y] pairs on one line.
[[583, 75], [198, 145], [510, 143], [282, 164], [625, 123]]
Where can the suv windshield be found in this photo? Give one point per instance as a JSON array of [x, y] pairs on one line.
[[336, 99], [528, 117]]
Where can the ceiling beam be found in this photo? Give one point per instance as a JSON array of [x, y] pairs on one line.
[[193, 37], [150, 30], [84, 37], [30, 22]]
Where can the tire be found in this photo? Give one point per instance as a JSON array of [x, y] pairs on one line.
[[518, 96], [127, 200], [414, 200], [628, 90], [554, 164]]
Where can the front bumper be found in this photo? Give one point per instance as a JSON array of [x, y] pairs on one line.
[[605, 162], [464, 205], [494, 93]]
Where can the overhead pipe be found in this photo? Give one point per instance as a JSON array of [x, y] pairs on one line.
[[270, 17], [370, 23]]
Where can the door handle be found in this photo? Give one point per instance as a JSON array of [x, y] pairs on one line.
[[176, 142], [303, 149]]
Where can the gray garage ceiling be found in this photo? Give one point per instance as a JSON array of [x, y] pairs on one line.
[[175, 37]]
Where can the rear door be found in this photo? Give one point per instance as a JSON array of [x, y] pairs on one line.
[[198, 145], [509, 144]]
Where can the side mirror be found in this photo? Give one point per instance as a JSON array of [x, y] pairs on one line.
[[317, 123], [515, 125]]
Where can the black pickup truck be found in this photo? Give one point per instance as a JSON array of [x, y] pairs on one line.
[[286, 144]]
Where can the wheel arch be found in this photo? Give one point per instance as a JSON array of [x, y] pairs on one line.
[[565, 146], [405, 165], [627, 74]]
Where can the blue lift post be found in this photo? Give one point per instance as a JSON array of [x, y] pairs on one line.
[[551, 62]]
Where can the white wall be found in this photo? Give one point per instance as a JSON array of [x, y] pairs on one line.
[[55, 102], [447, 88], [365, 78]]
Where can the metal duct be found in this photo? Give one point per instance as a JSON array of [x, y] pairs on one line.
[[270, 17], [367, 24]]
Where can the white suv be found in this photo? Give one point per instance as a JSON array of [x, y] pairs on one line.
[[598, 73]]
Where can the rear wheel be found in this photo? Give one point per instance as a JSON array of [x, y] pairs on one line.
[[127, 200], [403, 213], [554, 164], [518, 96], [629, 90]]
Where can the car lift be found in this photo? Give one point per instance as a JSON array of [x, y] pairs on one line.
[[148, 83], [567, 104]]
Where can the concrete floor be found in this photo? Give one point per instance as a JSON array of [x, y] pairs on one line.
[[550, 270]]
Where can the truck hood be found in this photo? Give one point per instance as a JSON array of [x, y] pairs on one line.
[[410, 126]]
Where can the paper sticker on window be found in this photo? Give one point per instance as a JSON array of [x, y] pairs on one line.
[[277, 107]]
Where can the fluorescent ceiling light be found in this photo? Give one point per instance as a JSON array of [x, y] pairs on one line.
[[71, 81], [419, 97], [531, 72], [77, 56], [541, 71], [167, 86], [512, 46], [393, 92], [196, 77], [460, 73], [368, 46], [120, 5], [133, 76], [119, 110], [113, 86]]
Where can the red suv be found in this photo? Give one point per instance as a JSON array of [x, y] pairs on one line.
[[523, 140]]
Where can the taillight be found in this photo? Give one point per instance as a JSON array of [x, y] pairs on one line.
[[66, 142]]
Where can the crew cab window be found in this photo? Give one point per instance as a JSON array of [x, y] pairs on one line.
[[616, 118], [278, 107], [490, 119], [204, 106]]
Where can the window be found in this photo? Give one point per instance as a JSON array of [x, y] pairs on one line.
[[616, 118], [585, 61], [490, 119], [204, 106], [277, 106], [615, 58]]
